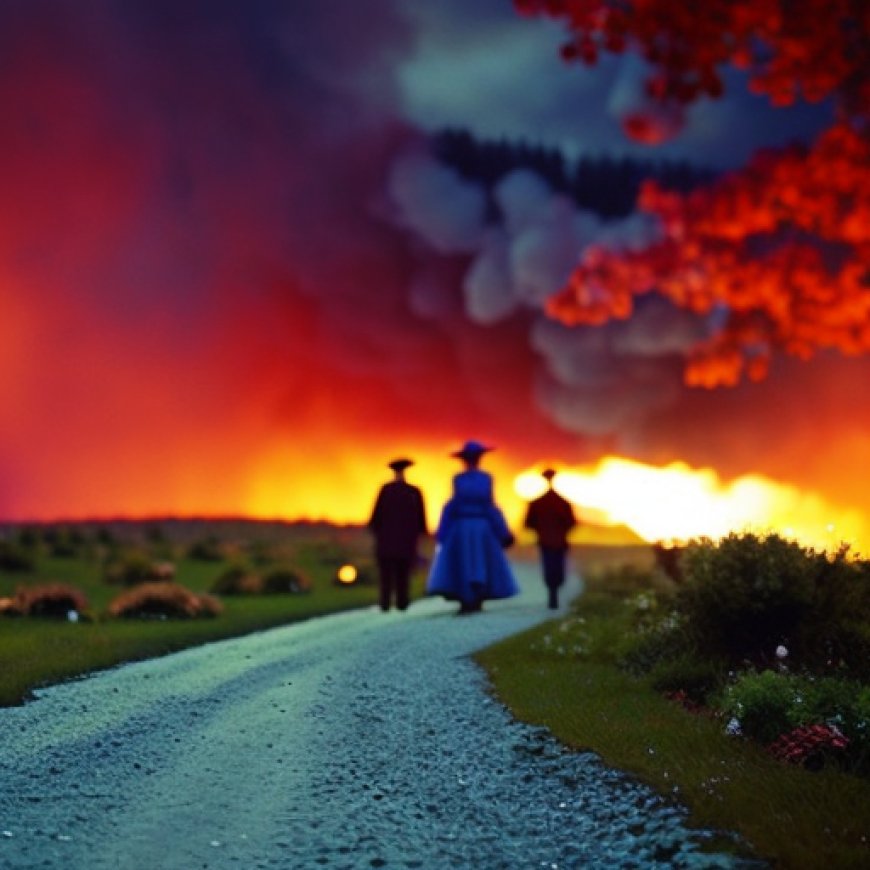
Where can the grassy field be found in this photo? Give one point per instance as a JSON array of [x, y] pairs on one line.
[[793, 817], [36, 652], [562, 675]]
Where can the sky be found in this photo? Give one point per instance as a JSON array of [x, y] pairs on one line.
[[236, 279]]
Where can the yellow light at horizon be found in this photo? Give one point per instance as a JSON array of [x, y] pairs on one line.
[[677, 503], [347, 574]]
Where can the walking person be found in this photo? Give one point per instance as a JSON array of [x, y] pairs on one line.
[[551, 517], [469, 565], [397, 522]]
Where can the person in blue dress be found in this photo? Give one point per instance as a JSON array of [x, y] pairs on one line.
[[469, 564]]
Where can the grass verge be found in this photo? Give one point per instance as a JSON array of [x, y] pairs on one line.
[[790, 816], [38, 652]]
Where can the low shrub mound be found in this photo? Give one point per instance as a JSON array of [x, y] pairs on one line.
[[744, 596], [163, 600], [237, 581], [53, 600], [137, 568], [285, 580], [206, 550], [15, 557]]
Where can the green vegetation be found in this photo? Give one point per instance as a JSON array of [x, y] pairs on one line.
[[628, 675], [297, 564]]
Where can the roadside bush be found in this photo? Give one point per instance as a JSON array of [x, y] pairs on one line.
[[624, 580], [763, 703], [137, 568], [53, 600], [15, 557], [811, 746], [744, 596], [260, 553], [844, 705], [63, 542], [806, 720], [669, 560], [206, 550], [285, 580], [665, 641], [28, 537], [237, 581], [835, 635], [163, 600], [697, 679]]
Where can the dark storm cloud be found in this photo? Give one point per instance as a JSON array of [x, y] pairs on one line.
[[482, 67], [223, 226]]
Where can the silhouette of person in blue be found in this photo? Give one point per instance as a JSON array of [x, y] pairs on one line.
[[397, 522], [551, 517], [469, 564]]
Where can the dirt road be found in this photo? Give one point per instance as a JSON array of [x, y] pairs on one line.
[[358, 740]]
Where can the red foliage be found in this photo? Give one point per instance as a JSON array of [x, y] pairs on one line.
[[793, 49], [808, 744], [783, 245], [780, 248]]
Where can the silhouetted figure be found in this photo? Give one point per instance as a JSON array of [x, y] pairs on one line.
[[397, 522], [470, 566], [551, 517]]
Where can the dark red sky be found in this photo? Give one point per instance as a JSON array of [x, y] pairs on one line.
[[233, 279]]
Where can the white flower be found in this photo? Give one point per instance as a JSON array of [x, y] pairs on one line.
[[733, 727], [781, 652]]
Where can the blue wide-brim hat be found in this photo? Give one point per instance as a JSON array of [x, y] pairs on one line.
[[471, 448]]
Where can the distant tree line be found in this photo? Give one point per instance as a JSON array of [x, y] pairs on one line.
[[603, 184]]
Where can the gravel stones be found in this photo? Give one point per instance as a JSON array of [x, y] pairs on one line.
[[353, 741]]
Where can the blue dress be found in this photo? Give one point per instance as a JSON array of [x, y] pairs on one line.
[[470, 565]]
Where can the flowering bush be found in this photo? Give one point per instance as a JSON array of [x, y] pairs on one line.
[[770, 706], [808, 745]]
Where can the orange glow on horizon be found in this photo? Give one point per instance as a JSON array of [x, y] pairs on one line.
[[677, 503]]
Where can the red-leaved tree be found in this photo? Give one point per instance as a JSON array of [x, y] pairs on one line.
[[782, 247]]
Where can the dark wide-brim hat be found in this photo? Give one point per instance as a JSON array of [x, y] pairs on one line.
[[400, 464], [471, 449]]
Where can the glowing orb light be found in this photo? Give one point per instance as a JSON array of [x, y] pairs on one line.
[[347, 574]]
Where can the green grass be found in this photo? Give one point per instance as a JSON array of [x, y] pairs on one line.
[[39, 652], [790, 816]]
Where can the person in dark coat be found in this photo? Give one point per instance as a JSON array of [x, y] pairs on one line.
[[551, 517], [397, 522], [469, 565]]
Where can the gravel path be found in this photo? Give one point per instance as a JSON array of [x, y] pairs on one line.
[[352, 741]]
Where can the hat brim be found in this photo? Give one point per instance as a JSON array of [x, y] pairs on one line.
[[466, 454]]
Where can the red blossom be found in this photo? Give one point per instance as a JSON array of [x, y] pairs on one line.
[[807, 742]]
